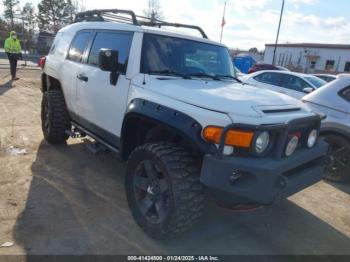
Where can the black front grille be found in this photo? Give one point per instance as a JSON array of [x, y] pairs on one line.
[[279, 135], [304, 127]]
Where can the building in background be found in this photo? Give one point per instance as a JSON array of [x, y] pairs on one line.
[[310, 58]]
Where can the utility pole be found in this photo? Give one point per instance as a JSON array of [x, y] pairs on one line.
[[278, 33], [223, 22]]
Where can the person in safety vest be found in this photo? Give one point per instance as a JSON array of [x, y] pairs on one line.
[[13, 50]]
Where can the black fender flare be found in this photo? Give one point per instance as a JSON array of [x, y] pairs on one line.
[[174, 120], [335, 131]]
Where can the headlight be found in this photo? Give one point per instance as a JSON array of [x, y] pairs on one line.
[[311, 141], [291, 146], [262, 142]]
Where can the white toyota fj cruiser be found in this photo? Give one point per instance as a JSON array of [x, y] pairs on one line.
[[171, 105]]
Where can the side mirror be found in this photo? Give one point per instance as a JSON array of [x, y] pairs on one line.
[[308, 90], [108, 61]]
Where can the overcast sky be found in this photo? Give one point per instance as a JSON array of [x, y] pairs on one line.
[[251, 23]]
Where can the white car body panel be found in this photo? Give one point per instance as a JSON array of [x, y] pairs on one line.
[[327, 101], [240, 103], [208, 102]]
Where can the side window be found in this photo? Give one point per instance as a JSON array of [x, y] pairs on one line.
[[120, 41], [269, 78], [78, 46], [347, 67], [55, 43], [345, 93], [294, 83], [330, 64]]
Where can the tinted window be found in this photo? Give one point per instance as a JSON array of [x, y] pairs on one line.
[[347, 67], [269, 78], [329, 64], [317, 82], [325, 78], [119, 41], [162, 54], [78, 46], [345, 93], [294, 83]]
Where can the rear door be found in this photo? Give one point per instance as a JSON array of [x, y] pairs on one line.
[[71, 67], [101, 105], [294, 86]]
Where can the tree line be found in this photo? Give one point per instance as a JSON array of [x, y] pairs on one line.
[[49, 16]]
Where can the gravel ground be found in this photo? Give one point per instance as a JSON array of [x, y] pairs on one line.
[[65, 200]]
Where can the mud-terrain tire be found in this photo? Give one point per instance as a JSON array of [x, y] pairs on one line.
[[163, 189], [338, 168], [54, 117]]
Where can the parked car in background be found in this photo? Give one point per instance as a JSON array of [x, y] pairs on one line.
[[282, 68], [293, 84], [334, 101], [325, 77], [260, 67], [44, 42]]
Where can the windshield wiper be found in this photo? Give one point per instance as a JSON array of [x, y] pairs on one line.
[[168, 72], [204, 75], [229, 76]]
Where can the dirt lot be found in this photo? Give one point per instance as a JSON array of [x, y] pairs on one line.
[[65, 200]]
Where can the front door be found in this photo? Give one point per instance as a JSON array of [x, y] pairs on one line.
[[101, 105], [294, 86]]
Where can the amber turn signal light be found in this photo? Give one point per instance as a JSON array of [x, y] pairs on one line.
[[234, 137]]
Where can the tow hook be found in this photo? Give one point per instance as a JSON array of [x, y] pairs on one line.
[[236, 174], [282, 182]]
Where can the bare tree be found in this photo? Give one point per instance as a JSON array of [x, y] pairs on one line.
[[54, 14], [9, 12], [154, 10], [253, 50], [28, 15]]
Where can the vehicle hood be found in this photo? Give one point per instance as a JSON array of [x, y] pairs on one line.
[[222, 96]]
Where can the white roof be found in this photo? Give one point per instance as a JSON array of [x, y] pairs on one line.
[[134, 28], [282, 72], [329, 75]]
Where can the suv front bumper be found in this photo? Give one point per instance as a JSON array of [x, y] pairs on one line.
[[235, 180]]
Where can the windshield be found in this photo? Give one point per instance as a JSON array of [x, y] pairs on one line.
[[181, 57], [317, 82], [236, 69]]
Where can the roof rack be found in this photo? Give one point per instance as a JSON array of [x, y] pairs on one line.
[[128, 17]]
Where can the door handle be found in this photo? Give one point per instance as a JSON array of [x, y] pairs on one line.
[[82, 77]]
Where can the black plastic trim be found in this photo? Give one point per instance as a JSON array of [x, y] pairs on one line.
[[272, 111], [332, 130], [244, 180], [99, 15], [281, 131], [176, 121], [97, 131]]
